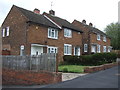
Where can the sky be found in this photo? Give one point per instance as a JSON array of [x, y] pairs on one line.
[[99, 12]]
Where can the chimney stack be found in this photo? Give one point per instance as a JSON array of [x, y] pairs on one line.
[[90, 24], [52, 12], [37, 11], [84, 21]]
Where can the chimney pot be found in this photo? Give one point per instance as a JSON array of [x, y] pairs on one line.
[[84, 21], [37, 11], [52, 12], [90, 24]]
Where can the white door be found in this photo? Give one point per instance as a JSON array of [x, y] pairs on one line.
[[93, 49], [36, 50], [77, 51]]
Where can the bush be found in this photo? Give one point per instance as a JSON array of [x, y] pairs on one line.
[[94, 59], [65, 70]]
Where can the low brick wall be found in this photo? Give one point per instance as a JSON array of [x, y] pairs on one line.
[[14, 77], [99, 68]]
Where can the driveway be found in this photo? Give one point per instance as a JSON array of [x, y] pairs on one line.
[[102, 79]]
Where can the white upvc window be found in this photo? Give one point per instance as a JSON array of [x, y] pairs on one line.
[[104, 38], [85, 47], [3, 32], [98, 36], [98, 48], [67, 33], [8, 31], [67, 49], [52, 49], [52, 33], [104, 48]]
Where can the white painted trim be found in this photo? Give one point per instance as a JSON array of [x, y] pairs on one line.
[[53, 22], [39, 45]]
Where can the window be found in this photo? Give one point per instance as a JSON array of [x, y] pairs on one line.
[[52, 33], [98, 48], [67, 49], [85, 47], [104, 38], [104, 48], [52, 49], [3, 32], [77, 51], [98, 36], [67, 32], [7, 34]]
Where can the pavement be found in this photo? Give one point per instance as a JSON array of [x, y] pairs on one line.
[[103, 79]]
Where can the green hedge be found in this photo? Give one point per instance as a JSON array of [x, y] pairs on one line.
[[94, 59]]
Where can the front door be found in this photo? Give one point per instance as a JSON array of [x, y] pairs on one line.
[[77, 51], [36, 50], [93, 49]]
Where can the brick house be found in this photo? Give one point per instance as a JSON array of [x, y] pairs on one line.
[[94, 40], [27, 32]]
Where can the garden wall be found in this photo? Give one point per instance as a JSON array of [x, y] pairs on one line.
[[99, 68], [24, 77]]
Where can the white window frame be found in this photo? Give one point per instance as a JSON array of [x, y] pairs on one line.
[[104, 49], [52, 49], [67, 49], [8, 31], [54, 32], [98, 48], [67, 33], [98, 36], [104, 38], [85, 47], [3, 32]]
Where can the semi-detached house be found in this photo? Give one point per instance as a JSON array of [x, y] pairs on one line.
[[27, 32]]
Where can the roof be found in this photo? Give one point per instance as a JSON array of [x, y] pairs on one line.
[[62, 22], [92, 29], [36, 18]]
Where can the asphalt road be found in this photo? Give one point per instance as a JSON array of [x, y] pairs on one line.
[[102, 79]]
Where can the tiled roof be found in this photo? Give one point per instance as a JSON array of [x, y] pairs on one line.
[[62, 22], [36, 18]]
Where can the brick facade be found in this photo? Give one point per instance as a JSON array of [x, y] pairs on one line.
[[27, 33], [90, 36]]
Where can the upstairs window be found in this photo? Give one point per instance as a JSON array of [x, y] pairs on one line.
[[85, 47], [104, 38], [98, 36], [52, 33], [5, 32], [67, 33], [52, 49], [67, 49]]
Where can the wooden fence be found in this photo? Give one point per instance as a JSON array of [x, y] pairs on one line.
[[44, 61]]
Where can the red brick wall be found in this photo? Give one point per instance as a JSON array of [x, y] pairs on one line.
[[39, 35], [14, 77]]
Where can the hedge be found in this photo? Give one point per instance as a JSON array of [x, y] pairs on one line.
[[94, 59]]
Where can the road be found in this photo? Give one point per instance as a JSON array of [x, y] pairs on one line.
[[102, 79]]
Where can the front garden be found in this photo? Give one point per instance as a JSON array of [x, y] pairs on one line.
[[77, 64]]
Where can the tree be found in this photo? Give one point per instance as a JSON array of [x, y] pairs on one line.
[[113, 31]]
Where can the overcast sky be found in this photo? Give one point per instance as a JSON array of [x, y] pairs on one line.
[[98, 12]]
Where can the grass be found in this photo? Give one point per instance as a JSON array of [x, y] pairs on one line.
[[72, 68]]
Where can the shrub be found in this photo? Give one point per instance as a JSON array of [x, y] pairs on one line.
[[65, 70], [94, 59]]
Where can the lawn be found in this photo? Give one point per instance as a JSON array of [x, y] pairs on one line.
[[72, 68]]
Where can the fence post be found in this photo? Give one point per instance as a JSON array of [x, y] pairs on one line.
[[56, 56]]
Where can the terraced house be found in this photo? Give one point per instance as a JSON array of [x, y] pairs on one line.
[[27, 32], [94, 40]]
